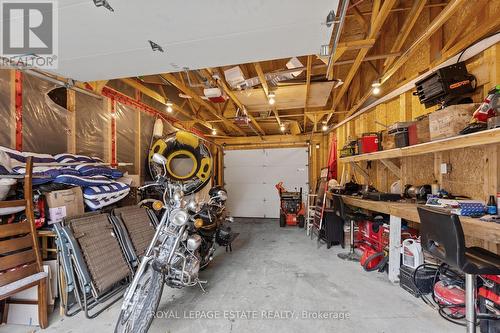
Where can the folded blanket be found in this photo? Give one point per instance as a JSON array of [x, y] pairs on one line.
[[82, 180], [97, 197], [41, 174], [104, 191], [72, 158]]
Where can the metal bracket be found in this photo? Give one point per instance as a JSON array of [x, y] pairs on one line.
[[155, 47], [103, 3]]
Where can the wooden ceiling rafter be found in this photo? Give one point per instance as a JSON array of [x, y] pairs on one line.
[[409, 23], [480, 31], [402, 9], [360, 18], [190, 92], [308, 88], [458, 32], [163, 100], [190, 102], [437, 23], [265, 88], [382, 12]]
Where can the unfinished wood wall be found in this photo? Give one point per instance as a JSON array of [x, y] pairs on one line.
[[474, 172]]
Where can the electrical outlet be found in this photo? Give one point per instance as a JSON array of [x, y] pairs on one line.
[[445, 168]]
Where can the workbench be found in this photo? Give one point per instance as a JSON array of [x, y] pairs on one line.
[[397, 211]]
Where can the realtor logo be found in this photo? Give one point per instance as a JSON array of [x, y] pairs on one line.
[[29, 34]]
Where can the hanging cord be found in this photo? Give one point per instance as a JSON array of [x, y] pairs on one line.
[[454, 278]]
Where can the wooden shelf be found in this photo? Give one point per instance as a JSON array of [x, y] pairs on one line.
[[456, 142], [472, 227]]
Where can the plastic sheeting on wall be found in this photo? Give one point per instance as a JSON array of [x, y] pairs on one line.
[[92, 120], [45, 127], [147, 124], [125, 136], [5, 110]]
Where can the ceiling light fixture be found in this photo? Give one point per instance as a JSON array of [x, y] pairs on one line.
[[214, 131], [376, 87], [282, 127], [270, 98], [324, 127], [169, 107]]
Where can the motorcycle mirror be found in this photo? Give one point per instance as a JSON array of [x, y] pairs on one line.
[[159, 159], [192, 205], [178, 195]]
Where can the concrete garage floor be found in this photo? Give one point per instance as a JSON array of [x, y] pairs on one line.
[[274, 274]]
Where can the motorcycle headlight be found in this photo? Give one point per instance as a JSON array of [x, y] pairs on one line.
[[222, 195], [179, 217]]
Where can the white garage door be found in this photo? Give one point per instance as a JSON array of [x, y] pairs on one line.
[[250, 177]]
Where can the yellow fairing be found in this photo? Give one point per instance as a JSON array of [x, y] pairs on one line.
[[187, 138], [205, 168], [158, 147]]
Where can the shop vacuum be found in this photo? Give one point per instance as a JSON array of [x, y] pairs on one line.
[[447, 289]]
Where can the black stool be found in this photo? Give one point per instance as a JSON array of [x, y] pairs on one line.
[[443, 237], [347, 215]]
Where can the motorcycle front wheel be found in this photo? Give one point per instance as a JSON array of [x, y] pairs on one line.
[[139, 315]]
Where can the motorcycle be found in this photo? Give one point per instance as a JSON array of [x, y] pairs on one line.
[[184, 244]]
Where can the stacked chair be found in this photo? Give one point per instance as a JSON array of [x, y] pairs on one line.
[[20, 259], [98, 253], [134, 227]]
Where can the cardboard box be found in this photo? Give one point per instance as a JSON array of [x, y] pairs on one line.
[[388, 141], [450, 121], [31, 294], [423, 133], [64, 203], [22, 314]]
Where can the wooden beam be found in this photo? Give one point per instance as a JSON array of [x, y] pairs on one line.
[[188, 91], [189, 101], [265, 87], [232, 96], [375, 12], [482, 30], [411, 19], [163, 100], [71, 106], [145, 90], [369, 58], [392, 167], [98, 85], [308, 87], [268, 139], [437, 23], [403, 9], [262, 78], [462, 27], [377, 24], [363, 173], [358, 44], [360, 18]]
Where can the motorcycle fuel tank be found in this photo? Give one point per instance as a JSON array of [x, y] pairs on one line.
[[193, 242]]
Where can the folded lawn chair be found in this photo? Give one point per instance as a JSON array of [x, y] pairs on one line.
[[98, 270], [134, 228]]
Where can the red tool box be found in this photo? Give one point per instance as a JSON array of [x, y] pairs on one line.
[[369, 143]]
